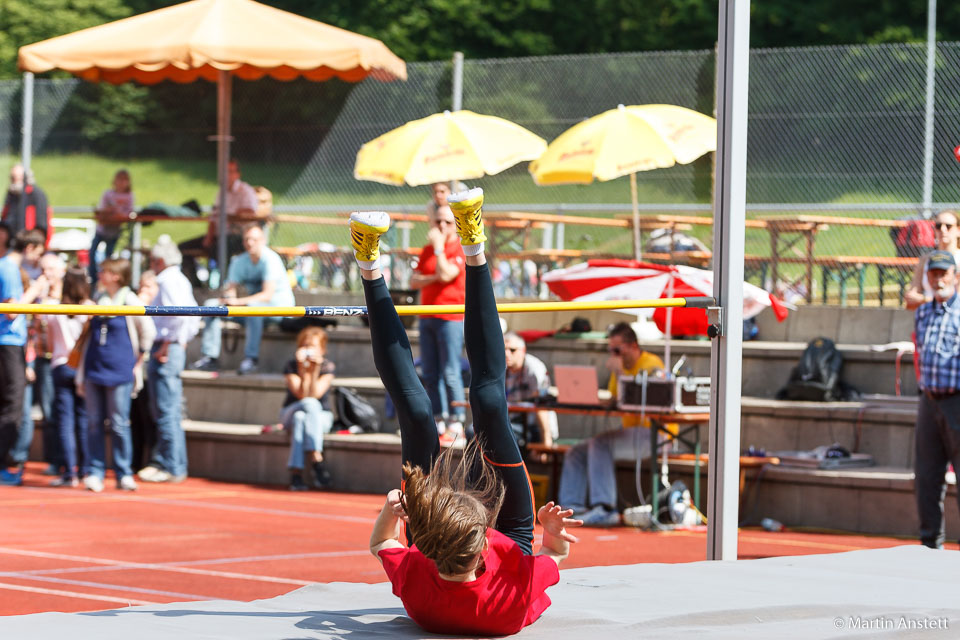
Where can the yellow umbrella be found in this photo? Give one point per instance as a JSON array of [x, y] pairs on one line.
[[623, 141], [461, 145]]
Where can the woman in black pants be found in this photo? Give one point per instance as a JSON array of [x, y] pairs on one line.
[[470, 568]]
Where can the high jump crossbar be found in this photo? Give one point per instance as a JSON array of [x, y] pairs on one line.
[[343, 311]]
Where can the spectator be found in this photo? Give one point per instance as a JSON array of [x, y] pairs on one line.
[[241, 205], [306, 409], [938, 417], [45, 289], [13, 338], [26, 205], [69, 409], [440, 277], [947, 234], [527, 381], [111, 373], [167, 358], [29, 244], [113, 211], [439, 192], [143, 428], [261, 272], [588, 482]]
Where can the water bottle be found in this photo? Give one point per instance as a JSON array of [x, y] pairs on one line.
[[769, 524]]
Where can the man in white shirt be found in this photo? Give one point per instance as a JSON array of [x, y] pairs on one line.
[[241, 205], [527, 380], [168, 462], [262, 273]]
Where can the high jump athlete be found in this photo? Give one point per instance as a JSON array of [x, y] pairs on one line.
[[470, 568]]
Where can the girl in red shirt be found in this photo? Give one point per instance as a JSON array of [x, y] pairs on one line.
[[469, 569]]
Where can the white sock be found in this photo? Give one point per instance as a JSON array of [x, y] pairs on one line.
[[473, 249], [369, 265]]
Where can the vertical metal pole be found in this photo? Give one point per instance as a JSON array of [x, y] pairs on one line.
[[136, 257], [26, 131], [456, 101], [223, 158], [637, 249], [930, 104], [728, 240]]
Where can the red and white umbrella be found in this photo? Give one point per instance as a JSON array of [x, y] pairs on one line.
[[633, 280]]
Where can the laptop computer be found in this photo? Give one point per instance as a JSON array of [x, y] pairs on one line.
[[576, 385]]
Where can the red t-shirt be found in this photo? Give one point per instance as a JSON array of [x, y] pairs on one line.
[[443, 292], [505, 598]]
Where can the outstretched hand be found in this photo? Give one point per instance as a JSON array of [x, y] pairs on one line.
[[555, 519], [396, 507]]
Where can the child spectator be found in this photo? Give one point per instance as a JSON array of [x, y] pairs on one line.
[[306, 409], [69, 409], [115, 209], [111, 373]]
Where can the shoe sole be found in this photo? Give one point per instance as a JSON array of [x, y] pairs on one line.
[[470, 205]]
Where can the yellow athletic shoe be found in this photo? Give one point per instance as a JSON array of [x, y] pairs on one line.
[[467, 212], [366, 227]]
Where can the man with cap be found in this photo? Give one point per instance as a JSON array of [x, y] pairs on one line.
[[937, 434]]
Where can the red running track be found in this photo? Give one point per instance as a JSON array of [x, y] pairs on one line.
[[72, 550]]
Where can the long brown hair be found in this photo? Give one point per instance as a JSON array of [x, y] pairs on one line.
[[450, 508]]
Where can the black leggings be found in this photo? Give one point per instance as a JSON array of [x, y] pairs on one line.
[[420, 444]]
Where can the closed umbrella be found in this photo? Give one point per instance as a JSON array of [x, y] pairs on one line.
[[458, 145], [214, 40], [623, 141]]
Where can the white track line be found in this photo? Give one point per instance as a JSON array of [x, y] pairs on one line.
[[115, 587], [153, 566], [273, 512], [71, 594], [174, 564]]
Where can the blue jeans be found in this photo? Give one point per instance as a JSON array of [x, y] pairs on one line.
[[113, 404], [589, 471], [441, 342], [307, 422], [70, 416], [166, 392], [210, 345], [109, 245]]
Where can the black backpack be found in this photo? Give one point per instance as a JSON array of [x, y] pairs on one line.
[[353, 410], [817, 376]]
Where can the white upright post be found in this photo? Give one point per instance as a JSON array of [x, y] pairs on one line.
[[456, 101], [26, 130], [728, 238], [930, 104], [224, 86]]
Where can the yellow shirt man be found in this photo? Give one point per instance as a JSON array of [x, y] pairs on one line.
[[648, 362]]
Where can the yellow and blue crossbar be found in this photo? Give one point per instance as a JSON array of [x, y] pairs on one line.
[[343, 311]]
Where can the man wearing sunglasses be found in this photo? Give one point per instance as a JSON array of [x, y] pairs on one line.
[[440, 277], [947, 234], [588, 484], [526, 381]]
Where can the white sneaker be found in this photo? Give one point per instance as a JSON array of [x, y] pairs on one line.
[[127, 483], [441, 426], [93, 483], [147, 472], [158, 476]]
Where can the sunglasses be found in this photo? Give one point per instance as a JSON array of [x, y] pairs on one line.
[[615, 351], [944, 226], [512, 349]]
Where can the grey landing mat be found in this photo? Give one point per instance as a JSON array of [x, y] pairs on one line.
[[903, 592]]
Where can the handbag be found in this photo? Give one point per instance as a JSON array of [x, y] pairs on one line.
[[73, 360], [352, 410]]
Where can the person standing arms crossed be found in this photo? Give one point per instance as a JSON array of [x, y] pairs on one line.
[[471, 568], [937, 433], [440, 278]]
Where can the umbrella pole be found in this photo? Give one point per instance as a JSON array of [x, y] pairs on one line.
[[637, 253], [223, 158], [668, 329]]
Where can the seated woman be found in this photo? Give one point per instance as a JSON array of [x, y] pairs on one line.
[[306, 409], [470, 568]]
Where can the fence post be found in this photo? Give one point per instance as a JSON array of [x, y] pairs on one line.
[[929, 115], [26, 131], [457, 97]]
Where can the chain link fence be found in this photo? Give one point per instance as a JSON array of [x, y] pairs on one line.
[[833, 131]]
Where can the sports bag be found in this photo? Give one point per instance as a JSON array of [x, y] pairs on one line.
[[352, 410]]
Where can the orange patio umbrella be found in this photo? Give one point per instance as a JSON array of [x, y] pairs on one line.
[[214, 40]]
